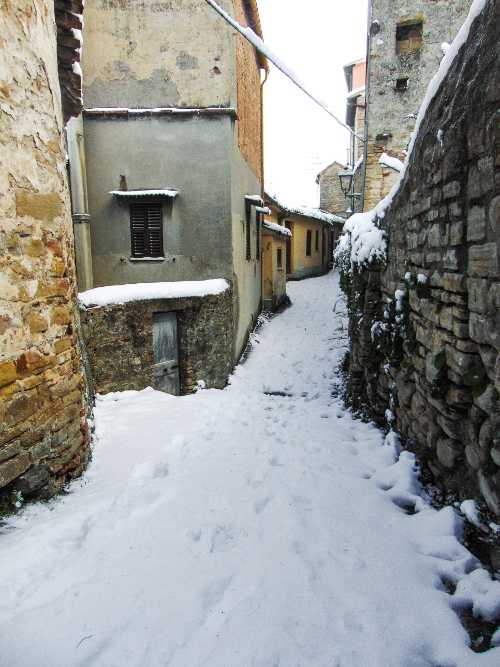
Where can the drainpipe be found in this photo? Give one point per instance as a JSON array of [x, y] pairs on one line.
[[266, 74], [367, 95], [79, 203]]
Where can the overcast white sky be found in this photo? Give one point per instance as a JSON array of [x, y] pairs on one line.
[[315, 39]]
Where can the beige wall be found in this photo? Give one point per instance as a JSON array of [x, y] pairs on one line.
[[303, 265], [42, 425], [157, 54]]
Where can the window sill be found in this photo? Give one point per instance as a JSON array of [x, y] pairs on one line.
[[147, 259]]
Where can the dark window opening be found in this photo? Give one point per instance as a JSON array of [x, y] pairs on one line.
[[146, 230], [248, 221], [257, 242], [279, 258], [409, 38], [316, 241], [402, 85], [308, 242]]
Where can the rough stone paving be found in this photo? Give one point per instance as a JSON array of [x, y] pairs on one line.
[[259, 525]]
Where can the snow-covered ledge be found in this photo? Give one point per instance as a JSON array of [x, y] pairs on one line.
[[117, 294]]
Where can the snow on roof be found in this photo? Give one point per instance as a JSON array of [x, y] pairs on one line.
[[116, 294], [356, 92], [263, 209], [171, 194], [256, 199], [306, 211], [391, 162], [277, 229]]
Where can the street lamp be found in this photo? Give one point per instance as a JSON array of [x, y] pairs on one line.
[[346, 179]]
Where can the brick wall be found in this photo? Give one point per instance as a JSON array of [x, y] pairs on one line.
[[43, 431], [249, 96], [430, 352], [119, 342]]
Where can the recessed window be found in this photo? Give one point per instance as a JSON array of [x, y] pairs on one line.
[[308, 242], [248, 228], [402, 85], [146, 230], [409, 38], [316, 241], [279, 258]]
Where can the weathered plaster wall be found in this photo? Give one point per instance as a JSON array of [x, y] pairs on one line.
[[157, 53], [43, 431], [190, 154], [391, 113], [119, 342], [435, 361], [304, 266], [246, 272]]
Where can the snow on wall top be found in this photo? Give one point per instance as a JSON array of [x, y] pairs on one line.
[[306, 211], [145, 193], [117, 294], [278, 229]]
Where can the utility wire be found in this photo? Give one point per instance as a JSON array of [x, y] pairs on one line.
[[258, 44]]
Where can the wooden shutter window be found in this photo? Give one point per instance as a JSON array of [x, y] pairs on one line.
[[146, 229]]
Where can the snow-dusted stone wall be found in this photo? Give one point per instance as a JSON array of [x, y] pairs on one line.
[[43, 431], [425, 327], [119, 341]]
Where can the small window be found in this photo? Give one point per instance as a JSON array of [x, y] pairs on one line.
[[248, 236], [409, 38], [146, 230], [402, 85], [257, 242], [316, 241], [308, 242], [279, 258]]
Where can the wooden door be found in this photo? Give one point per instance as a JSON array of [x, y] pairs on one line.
[[166, 353]]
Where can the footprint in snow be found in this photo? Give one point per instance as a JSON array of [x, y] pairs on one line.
[[223, 539], [260, 505]]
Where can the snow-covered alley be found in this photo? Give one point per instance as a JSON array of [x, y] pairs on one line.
[[256, 526]]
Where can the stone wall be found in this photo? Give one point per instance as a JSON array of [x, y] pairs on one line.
[[392, 107], [331, 197], [119, 342], [425, 328], [43, 431]]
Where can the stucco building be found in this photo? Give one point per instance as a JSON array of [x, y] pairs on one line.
[[404, 50], [44, 437], [313, 235], [173, 148]]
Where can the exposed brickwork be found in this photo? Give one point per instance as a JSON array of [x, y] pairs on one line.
[[435, 362], [119, 342], [43, 431], [249, 103]]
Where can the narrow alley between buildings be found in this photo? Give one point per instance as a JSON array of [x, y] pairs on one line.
[[260, 525]]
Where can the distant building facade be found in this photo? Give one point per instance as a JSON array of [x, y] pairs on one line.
[[404, 52], [44, 436], [313, 235], [331, 197], [173, 141]]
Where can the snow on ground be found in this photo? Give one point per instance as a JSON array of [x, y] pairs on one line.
[[237, 528]]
